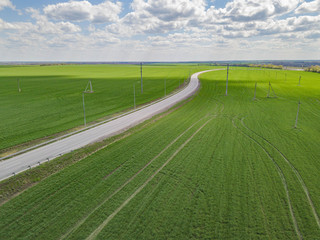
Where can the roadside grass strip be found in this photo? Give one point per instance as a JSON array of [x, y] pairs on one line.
[[95, 233]]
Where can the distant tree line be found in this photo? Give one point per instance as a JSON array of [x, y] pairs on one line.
[[267, 66], [315, 68], [54, 64]]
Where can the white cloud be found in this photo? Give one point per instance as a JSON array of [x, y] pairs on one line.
[[103, 38], [303, 21], [40, 34], [84, 11], [14, 26], [257, 10], [162, 16], [161, 29], [186, 39], [44, 26], [6, 3], [309, 7], [289, 25], [169, 10], [313, 35]]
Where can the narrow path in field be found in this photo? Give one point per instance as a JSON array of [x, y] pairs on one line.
[[284, 182], [252, 172], [95, 233], [295, 171], [127, 182]]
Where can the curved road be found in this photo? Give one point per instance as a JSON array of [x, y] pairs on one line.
[[34, 157]]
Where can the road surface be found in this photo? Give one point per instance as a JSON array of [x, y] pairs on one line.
[[36, 156]]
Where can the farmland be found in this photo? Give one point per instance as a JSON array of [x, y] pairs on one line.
[[218, 167], [50, 100]]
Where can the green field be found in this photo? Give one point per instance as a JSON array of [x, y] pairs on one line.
[[50, 100], [218, 167]]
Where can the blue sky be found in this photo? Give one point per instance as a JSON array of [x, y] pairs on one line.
[[159, 30]]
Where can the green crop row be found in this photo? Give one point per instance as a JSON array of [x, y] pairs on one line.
[[50, 100], [220, 167]]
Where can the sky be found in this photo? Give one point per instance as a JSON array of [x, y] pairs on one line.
[[159, 30]]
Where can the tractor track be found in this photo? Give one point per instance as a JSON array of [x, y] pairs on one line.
[[127, 182], [282, 177], [252, 172], [95, 233], [295, 171]]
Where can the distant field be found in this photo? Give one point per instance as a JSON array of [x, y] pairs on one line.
[[219, 167], [50, 100]]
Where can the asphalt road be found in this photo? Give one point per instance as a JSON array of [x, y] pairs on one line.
[[34, 157]]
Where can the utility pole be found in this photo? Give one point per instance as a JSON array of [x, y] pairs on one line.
[[165, 92], [295, 126], [87, 90], [19, 89], [89, 87], [299, 80], [141, 78], [227, 80], [134, 96], [84, 110], [255, 90]]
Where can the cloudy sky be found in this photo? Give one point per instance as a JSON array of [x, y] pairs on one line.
[[159, 30]]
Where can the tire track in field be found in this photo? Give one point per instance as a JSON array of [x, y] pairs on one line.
[[127, 182], [143, 202], [222, 108], [295, 171], [126, 134], [265, 220], [313, 111], [95, 233], [188, 188], [47, 198], [284, 182], [69, 183]]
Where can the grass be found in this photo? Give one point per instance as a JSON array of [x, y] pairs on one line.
[[220, 167], [14, 186], [50, 100]]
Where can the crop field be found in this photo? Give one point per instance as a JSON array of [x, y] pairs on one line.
[[50, 100], [218, 167]]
